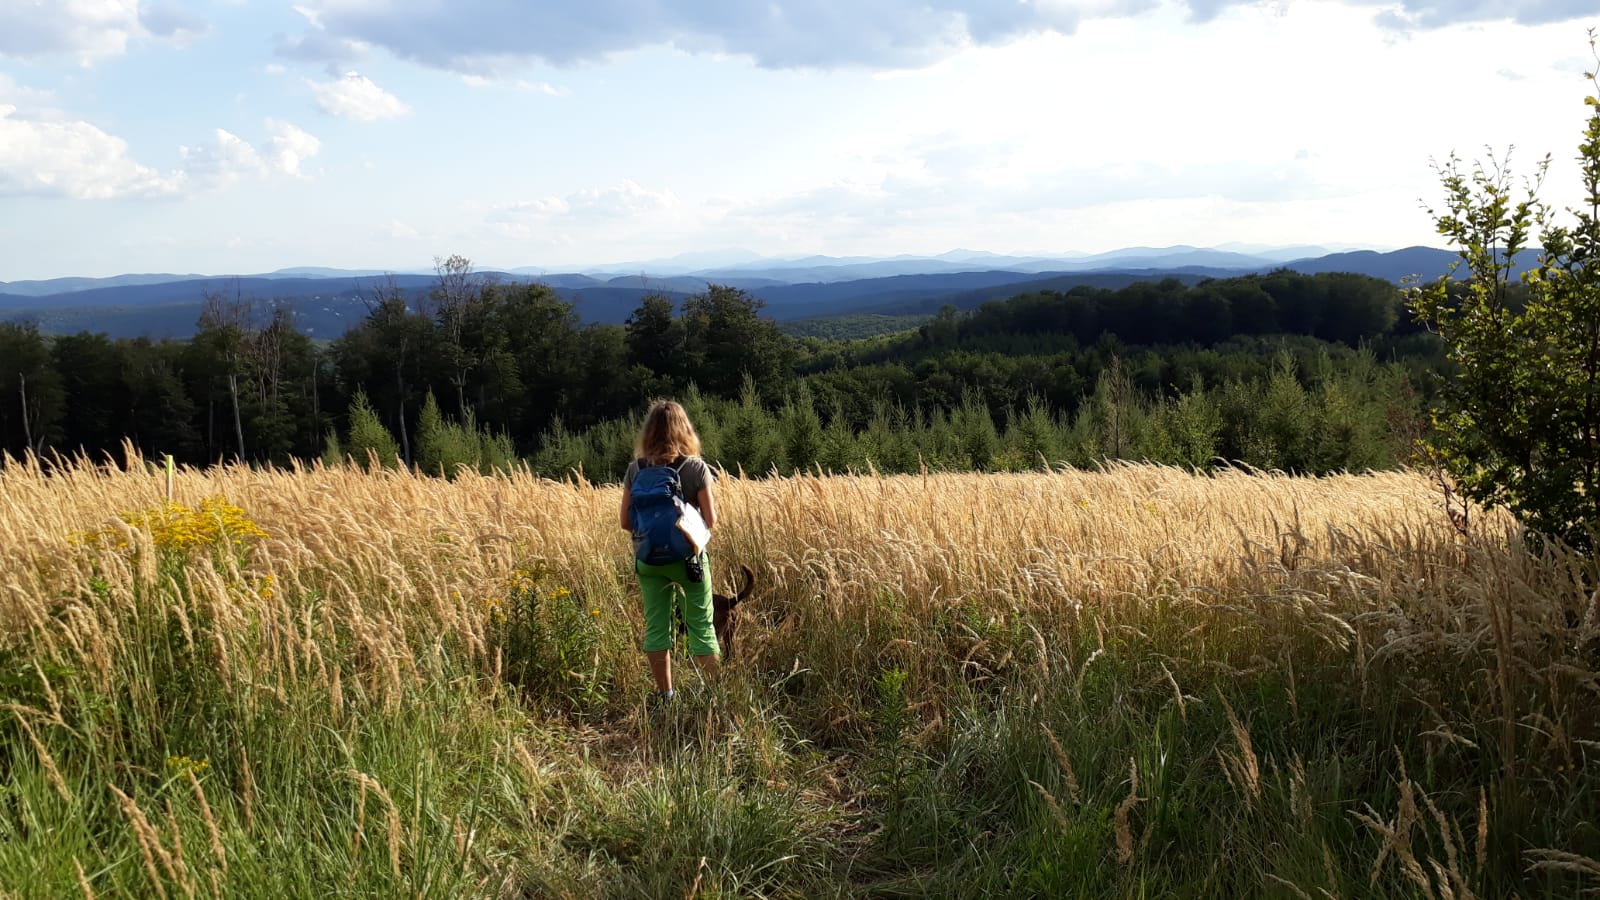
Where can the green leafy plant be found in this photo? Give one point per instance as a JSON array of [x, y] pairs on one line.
[[1520, 424], [549, 640]]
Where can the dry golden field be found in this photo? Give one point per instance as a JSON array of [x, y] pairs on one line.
[[1135, 682]]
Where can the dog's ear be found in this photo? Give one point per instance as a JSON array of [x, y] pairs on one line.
[[749, 584]]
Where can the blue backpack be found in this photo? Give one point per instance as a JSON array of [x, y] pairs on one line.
[[655, 503]]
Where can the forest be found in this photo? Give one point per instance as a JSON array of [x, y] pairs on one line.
[[1301, 373]]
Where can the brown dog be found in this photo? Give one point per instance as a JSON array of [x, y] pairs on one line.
[[722, 609], [723, 621]]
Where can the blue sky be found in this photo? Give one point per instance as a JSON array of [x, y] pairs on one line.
[[236, 136]]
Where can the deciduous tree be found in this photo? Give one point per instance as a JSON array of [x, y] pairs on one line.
[[1520, 426]]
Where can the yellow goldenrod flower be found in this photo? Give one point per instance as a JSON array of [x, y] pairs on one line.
[[181, 764]]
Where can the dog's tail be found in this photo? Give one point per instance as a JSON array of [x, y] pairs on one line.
[[749, 584]]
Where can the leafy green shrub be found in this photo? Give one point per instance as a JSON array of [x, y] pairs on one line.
[[548, 642], [1520, 425]]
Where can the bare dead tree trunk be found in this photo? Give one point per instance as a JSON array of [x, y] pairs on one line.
[[238, 424], [316, 401], [27, 430], [405, 438]]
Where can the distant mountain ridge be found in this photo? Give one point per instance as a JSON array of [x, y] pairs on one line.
[[329, 301], [733, 266]]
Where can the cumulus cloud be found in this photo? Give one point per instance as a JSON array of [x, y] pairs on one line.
[[89, 29], [73, 159], [532, 87], [223, 161], [1439, 13], [229, 158], [486, 36], [355, 96], [166, 20], [288, 146], [44, 152], [318, 46], [28, 102], [626, 199], [481, 36]]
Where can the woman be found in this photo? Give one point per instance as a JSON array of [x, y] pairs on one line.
[[669, 439]]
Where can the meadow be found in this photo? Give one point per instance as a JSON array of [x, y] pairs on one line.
[[1131, 682]]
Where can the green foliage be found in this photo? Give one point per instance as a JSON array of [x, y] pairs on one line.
[[495, 453], [31, 395], [975, 435], [1033, 438], [547, 641], [333, 454], [748, 440], [726, 341], [852, 327], [1285, 418], [1520, 422], [369, 443], [840, 451], [563, 454], [1115, 415], [655, 342], [1193, 423], [448, 448], [800, 431], [1079, 377]]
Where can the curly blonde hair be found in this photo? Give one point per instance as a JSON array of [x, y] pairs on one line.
[[667, 434]]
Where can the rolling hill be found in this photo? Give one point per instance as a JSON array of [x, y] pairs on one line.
[[328, 302]]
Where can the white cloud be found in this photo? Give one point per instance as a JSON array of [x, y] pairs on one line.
[[289, 146], [533, 87], [49, 154], [73, 159], [222, 162], [355, 96], [171, 22], [29, 102], [89, 29], [311, 15], [626, 199], [542, 87], [623, 214], [547, 206], [487, 36], [229, 158]]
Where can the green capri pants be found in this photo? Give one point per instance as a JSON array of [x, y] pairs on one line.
[[661, 585]]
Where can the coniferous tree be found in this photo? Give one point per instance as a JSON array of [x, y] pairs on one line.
[[1032, 439], [1194, 422], [370, 443], [748, 441], [800, 431]]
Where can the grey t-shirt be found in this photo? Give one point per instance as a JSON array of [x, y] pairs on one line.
[[694, 476]]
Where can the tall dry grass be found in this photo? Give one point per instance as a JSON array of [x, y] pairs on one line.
[[1089, 683]]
